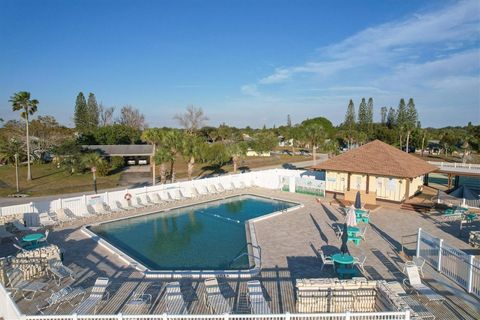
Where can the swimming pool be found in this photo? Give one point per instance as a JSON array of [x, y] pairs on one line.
[[207, 236]]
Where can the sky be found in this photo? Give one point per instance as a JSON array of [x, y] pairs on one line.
[[245, 63]]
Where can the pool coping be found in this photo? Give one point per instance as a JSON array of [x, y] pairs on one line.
[[254, 257]]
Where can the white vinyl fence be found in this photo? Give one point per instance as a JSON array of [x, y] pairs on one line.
[[9, 311], [460, 267], [269, 179]]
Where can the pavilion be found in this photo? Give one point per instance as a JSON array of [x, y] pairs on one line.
[[378, 171], [134, 154]]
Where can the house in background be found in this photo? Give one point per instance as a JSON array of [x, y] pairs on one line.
[[378, 171]]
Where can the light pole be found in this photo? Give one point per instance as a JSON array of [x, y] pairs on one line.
[[94, 169], [16, 171]]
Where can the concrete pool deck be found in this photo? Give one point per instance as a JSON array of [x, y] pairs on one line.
[[290, 244]]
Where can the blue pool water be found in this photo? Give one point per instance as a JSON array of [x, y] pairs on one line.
[[205, 236]]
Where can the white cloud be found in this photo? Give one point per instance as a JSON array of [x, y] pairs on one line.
[[447, 29], [250, 90]]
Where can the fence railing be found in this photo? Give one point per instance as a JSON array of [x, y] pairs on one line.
[[270, 179], [460, 267], [456, 166], [402, 315]]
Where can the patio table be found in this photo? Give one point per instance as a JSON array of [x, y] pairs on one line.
[[470, 217], [32, 238], [344, 259], [343, 265]]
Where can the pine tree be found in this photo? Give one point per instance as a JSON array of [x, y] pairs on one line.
[[391, 118], [349, 123], [350, 116], [369, 116], [401, 119], [362, 116], [81, 117], [383, 115], [93, 111], [411, 120]]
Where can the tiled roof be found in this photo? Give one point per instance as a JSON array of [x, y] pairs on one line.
[[378, 158]]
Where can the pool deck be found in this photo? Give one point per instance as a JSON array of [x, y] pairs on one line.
[[289, 244]]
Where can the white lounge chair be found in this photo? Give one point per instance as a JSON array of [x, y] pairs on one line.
[[227, 187], [415, 282], [124, 205], [202, 191], [64, 215], [165, 197], [176, 195], [59, 271], [326, 260], [212, 190], [158, 199], [101, 209], [220, 188], [47, 220], [96, 295], [360, 262], [215, 300], [258, 304], [141, 201], [184, 194], [174, 299], [138, 304], [17, 283], [66, 294]]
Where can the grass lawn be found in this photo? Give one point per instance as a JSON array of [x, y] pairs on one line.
[[47, 180], [205, 169]]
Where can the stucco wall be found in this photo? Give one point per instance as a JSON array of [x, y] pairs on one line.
[[386, 188]]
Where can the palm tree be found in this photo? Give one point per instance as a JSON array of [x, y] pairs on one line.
[[314, 134], [172, 145], [192, 147], [21, 101], [162, 156], [236, 151], [154, 137], [93, 161]]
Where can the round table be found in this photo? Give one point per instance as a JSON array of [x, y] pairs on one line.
[[470, 217], [32, 238], [341, 258]]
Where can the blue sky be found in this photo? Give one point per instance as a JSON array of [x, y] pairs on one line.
[[244, 62]]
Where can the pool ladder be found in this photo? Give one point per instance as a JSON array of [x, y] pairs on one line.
[[247, 254]]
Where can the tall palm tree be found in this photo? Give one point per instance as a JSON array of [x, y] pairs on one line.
[[21, 101], [192, 147], [93, 161], [172, 144], [154, 137], [236, 151], [162, 156], [314, 134]]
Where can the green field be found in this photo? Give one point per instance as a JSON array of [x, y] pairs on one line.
[[47, 180]]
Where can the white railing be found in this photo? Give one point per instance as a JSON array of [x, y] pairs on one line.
[[460, 267], [8, 308], [456, 166], [10, 311], [403, 315], [269, 179]]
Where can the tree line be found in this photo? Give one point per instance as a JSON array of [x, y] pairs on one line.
[[31, 138]]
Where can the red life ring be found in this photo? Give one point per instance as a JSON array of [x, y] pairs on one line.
[[127, 196]]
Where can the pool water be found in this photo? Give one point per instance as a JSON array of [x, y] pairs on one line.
[[209, 236]]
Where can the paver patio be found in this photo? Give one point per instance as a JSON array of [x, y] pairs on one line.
[[289, 243]]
